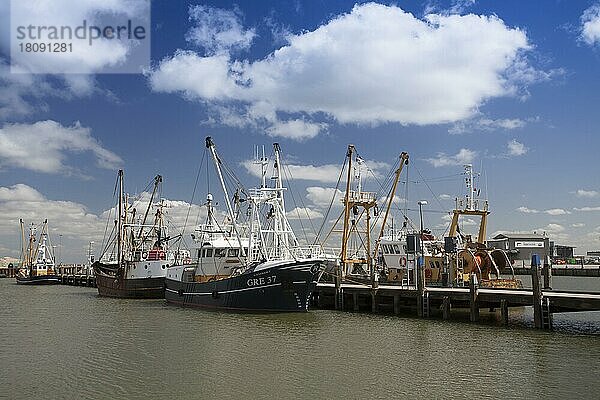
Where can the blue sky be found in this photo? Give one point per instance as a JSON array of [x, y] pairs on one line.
[[510, 86]]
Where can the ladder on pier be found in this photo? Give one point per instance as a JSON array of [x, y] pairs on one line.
[[426, 305], [546, 314], [410, 260]]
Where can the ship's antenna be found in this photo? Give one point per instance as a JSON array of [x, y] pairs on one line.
[[263, 161], [469, 185]]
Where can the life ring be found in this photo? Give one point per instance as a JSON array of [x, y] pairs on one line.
[[402, 261], [161, 255], [428, 273], [187, 261], [144, 255]]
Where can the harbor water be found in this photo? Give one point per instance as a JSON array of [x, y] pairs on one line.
[[65, 342]]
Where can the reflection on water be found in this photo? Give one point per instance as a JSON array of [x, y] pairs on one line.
[[66, 342]]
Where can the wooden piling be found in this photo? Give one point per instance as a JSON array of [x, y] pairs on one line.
[[446, 307], [504, 312], [355, 301], [373, 300], [396, 304], [338, 290], [420, 287], [473, 286], [547, 272], [537, 291]]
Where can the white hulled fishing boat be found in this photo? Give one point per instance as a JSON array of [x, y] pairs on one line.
[[138, 265], [37, 260]]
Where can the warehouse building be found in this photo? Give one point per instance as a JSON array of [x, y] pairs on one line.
[[520, 247]]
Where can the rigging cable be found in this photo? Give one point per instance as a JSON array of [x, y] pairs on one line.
[[331, 203], [190, 205]]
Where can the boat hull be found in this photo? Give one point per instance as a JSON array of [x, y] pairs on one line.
[[111, 283], [38, 280], [283, 288]]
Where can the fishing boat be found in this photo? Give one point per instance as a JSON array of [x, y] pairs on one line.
[[451, 261], [37, 259], [136, 268], [258, 267]]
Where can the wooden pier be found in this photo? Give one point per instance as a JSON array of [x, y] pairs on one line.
[[8, 272], [427, 301], [572, 270], [78, 280], [76, 275]]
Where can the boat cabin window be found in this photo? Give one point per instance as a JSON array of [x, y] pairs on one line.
[[397, 249], [385, 249], [220, 252], [205, 253], [233, 252]]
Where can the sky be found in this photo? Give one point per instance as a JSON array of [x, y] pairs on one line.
[[511, 87]]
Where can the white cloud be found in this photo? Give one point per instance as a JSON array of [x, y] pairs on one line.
[[469, 222], [321, 196], [460, 6], [218, 30], [578, 225], [20, 192], [526, 210], [21, 92], [66, 218], [551, 211], [553, 228], [445, 197], [296, 129], [590, 25], [516, 148], [587, 193], [450, 65], [84, 58], [587, 209], [555, 232], [303, 213], [486, 125], [464, 156], [43, 146], [557, 211], [328, 173], [75, 222]]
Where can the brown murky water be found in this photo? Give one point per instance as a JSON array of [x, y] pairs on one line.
[[63, 342]]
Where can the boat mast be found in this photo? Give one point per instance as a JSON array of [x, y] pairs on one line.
[[157, 182], [471, 208], [403, 161], [23, 251], [119, 221], [255, 224], [470, 187], [284, 227], [345, 233], [211, 146]]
